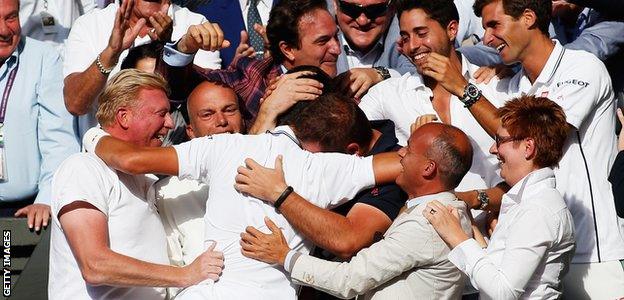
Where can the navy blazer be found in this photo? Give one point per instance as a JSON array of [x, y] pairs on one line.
[[226, 13]]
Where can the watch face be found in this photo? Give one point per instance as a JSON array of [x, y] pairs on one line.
[[472, 91]]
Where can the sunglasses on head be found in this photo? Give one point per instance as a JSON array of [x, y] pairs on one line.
[[354, 10]]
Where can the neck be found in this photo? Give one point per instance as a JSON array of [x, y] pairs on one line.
[[428, 188], [522, 172], [375, 137], [536, 56]]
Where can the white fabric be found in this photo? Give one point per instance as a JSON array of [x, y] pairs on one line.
[[404, 99], [134, 227], [603, 280], [89, 37], [530, 248], [264, 9], [357, 59], [65, 12], [326, 179], [580, 84], [469, 23]]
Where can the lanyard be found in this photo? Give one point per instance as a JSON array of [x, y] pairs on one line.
[[7, 92]]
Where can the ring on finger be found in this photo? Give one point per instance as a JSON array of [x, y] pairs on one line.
[[432, 211]]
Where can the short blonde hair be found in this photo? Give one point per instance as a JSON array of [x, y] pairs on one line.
[[122, 91]]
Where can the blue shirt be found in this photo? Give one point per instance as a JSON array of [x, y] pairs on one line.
[[38, 130]]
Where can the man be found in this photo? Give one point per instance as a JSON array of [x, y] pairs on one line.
[[99, 40], [300, 32], [36, 132], [321, 177], [411, 261], [430, 28], [107, 240], [579, 83]]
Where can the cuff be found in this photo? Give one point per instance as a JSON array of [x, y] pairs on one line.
[[466, 255], [91, 138], [290, 260], [394, 73], [175, 58]]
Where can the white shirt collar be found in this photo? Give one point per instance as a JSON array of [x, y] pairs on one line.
[[549, 70], [426, 198], [287, 131], [375, 51], [517, 191]]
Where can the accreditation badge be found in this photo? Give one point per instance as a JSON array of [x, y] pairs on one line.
[[3, 163]]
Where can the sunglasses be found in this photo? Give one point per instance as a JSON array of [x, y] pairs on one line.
[[499, 140], [354, 10]]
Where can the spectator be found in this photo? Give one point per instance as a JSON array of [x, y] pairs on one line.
[[533, 242], [616, 177], [410, 262], [36, 131], [323, 177], [99, 40], [99, 246], [580, 84]]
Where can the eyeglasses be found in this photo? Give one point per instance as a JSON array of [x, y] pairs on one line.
[[354, 10], [499, 140]]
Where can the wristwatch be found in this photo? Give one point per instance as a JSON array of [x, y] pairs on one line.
[[483, 199], [472, 94], [383, 72]]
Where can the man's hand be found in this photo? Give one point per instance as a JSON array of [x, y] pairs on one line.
[[269, 248], [207, 36], [445, 220], [244, 49], [123, 36], [162, 25], [422, 120], [440, 68], [621, 137], [357, 81], [288, 90], [486, 73], [38, 215], [208, 265], [260, 182]]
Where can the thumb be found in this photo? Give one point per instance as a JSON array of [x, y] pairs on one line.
[[271, 225], [164, 8], [244, 37], [620, 115], [278, 163], [212, 246]]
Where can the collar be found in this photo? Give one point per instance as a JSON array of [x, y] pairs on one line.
[[549, 70], [283, 69], [287, 131], [378, 47], [387, 141], [13, 59], [447, 195], [541, 175]]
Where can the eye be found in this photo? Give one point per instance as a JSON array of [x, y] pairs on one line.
[[422, 34]]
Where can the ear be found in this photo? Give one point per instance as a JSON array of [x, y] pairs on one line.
[[189, 132], [354, 148], [287, 50], [123, 117], [451, 30], [528, 18], [430, 169], [529, 149]]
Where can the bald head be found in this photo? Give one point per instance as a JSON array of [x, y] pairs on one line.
[[213, 108]]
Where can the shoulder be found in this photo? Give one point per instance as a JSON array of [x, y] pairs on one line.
[[83, 163], [187, 16], [396, 86], [583, 63]]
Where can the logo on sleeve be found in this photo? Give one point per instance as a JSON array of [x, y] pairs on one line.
[[573, 82]]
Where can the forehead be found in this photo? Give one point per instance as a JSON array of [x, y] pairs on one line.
[[315, 24], [152, 99], [413, 18], [8, 6], [364, 2], [212, 96], [493, 11]]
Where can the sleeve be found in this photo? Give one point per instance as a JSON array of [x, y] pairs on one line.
[[529, 237], [195, 158], [603, 39], [55, 130], [481, 55], [79, 52], [340, 175], [387, 198], [580, 89], [405, 247], [207, 59], [372, 102], [616, 178], [80, 178]]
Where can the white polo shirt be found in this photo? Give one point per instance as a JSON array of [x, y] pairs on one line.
[[326, 179], [89, 37], [134, 227], [580, 84], [404, 99]]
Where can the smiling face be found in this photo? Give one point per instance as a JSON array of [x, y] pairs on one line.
[[10, 29], [509, 36], [149, 119], [213, 109], [511, 156], [318, 43], [421, 35], [413, 162], [363, 31]]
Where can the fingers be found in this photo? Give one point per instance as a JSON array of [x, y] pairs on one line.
[[252, 164], [244, 37], [212, 246], [255, 233], [261, 30], [164, 8], [21, 212], [31, 218], [620, 116], [278, 165], [274, 229]]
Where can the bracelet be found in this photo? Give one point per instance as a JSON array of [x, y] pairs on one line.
[[101, 67], [283, 197]]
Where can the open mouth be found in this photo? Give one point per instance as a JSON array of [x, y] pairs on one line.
[[500, 47], [420, 56]]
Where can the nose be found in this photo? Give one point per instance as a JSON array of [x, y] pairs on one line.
[[362, 20], [488, 37], [493, 149], [414, 43], [334, 46], [168, 121], [402, 152], [4, 29], [221, 119]]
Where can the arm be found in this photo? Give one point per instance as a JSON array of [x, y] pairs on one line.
[[100, 265], [495, 194], [603, 39]]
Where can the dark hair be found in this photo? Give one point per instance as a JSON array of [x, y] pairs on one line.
[[332, 120], [540, 119], [442, 11], [515, 8], [137, 53], [452, 159], [283, 25], [320, 76]]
